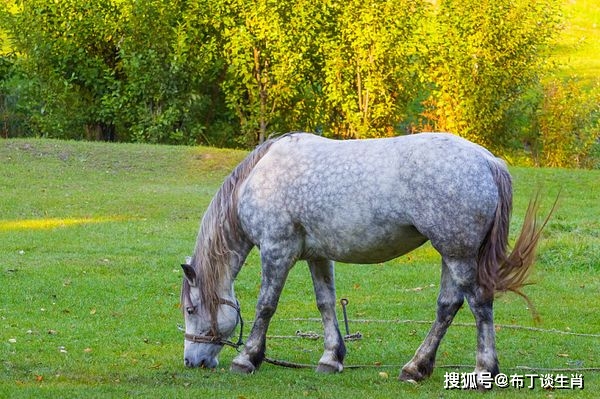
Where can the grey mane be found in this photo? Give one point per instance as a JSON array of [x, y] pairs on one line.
[[218, 230]]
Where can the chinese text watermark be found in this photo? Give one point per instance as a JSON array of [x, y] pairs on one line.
[[455, 380]]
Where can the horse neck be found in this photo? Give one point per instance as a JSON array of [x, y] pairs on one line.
[[219, 256], [221, 247]]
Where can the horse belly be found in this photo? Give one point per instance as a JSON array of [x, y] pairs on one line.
[[372, 244]]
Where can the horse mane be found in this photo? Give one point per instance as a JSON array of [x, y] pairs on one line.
[[219, 230]]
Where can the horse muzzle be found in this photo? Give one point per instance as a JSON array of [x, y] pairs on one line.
[[203, 355], [205, 362]]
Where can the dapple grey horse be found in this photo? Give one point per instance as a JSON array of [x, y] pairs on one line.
[[304, 197]]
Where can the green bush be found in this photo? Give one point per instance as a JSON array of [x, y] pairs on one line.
[[567, 125], [372, 65], [233, 72], [128, 71], [483, 60]]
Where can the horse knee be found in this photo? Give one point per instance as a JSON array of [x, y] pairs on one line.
[[265, 311], [448, 305], [481, 307], [325, 305]]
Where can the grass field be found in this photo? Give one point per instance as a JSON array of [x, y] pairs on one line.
[[92, 236], [578, 47]]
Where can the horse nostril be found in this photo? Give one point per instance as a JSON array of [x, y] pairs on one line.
[[187, 362]]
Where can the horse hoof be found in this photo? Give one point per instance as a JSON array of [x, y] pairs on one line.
[[330, 368], [411, 376], [406, 377], [242, 366]]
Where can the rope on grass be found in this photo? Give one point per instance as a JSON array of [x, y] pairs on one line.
[[315, 336], [293, 365], [507, 326]]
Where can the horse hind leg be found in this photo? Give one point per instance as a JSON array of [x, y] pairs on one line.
[[482, 309], [323, 280], [450, 299], [481, 305]]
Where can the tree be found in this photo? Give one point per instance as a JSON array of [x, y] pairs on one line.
[[566, 126], [170, 68], [69, 53], [268, 47], [233, 72], [371, 66], [483, 60]]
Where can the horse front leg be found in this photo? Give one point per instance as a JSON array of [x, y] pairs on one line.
[[275, 269], [324, 284], [449, 301]]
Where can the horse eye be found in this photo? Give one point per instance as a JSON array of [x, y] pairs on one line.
[[190, 309]]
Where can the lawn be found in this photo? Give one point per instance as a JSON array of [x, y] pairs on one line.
[[577, 48], [93, 234]]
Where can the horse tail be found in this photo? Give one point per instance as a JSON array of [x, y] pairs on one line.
[[498, 270]]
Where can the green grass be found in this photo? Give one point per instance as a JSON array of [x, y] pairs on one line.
[[578, 46], [92, 235]]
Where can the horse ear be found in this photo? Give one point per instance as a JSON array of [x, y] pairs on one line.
[[190, 273]]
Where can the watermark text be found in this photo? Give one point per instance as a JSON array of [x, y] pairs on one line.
[[455, 380]]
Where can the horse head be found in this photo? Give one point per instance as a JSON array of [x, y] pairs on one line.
[[208, 326]]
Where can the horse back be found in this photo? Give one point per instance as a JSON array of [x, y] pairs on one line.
[[348, 200]]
